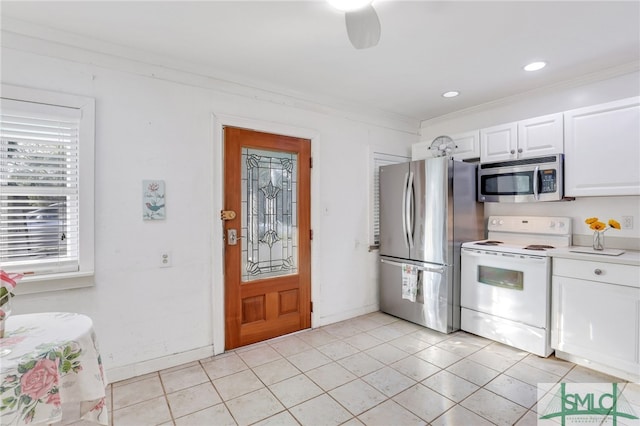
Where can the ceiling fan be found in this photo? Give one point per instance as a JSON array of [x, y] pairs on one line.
[[363, 25]]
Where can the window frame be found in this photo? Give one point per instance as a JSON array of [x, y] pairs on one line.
[[84, 277], [377, 155]]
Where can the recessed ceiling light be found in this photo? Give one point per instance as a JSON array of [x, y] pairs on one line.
[[535, 66], [451, 94], [349, 5]]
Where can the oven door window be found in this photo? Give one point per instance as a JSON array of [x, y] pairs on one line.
[[501, 277], [517, 183]]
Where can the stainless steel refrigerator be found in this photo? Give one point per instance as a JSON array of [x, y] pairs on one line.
[[428, 208]]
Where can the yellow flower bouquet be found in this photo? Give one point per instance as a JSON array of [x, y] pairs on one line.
[[599, 228]]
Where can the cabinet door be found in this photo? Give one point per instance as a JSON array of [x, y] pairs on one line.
[[498, 143], [596, 321], [467, 145], [540, 136], [420, 150], [601, 149]]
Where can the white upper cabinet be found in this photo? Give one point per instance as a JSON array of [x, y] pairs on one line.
[[467, 146], [499, 143], [602, 149], [540, 136], [534, 137], [420, 150]]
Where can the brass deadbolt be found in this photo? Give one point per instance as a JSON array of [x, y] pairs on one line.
[[227, 214]]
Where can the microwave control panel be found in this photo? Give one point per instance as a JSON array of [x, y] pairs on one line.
[[548, 178]]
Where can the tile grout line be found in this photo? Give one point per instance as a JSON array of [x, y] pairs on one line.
[[309, 378], [340, 335]]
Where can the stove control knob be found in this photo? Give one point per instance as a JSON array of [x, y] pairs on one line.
[[552, 224], [501, 222], [561, 224], [494, 221]]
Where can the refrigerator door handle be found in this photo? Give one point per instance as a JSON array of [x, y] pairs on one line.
[[409, 210], [405, 236], [422, 268]]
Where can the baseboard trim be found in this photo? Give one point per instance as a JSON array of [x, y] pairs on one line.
[[149, 366], [331, 319], [612, 371]]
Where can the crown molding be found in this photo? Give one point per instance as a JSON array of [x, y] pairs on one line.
[[24, 36], [601, 75]]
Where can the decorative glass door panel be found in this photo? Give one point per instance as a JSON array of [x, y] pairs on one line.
[[267, 270], [269, 230]]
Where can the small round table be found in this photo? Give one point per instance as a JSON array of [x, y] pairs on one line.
[[50, 359]]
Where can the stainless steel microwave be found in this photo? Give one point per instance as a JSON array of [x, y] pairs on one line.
[[522, 181]]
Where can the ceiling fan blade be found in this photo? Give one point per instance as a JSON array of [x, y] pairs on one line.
[[363, 27]]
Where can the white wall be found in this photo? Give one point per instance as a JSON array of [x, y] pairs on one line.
[[590, 90], [157, 123]]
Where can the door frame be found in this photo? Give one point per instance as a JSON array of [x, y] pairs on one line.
[[217, 261]]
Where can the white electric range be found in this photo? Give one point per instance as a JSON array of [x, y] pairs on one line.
[[506, 280]]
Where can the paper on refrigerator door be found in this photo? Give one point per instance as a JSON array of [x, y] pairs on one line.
[[409, 282]]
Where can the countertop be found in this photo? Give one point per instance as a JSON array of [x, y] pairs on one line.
[[629, 257]]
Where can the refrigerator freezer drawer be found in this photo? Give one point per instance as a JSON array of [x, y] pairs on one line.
[[434, 308]]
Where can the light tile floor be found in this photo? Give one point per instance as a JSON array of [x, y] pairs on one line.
[[371, 370]]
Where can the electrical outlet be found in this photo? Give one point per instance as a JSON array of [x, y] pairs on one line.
[[627, 222], [165, 259]]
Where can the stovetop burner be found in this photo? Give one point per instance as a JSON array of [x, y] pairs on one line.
[[489, 243], [538, 247]]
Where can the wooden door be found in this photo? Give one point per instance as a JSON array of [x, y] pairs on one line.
[[268, 267]]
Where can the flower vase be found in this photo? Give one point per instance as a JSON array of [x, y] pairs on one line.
[[598, 240]]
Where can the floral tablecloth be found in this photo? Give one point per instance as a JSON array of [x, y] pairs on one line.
[[47, 360]]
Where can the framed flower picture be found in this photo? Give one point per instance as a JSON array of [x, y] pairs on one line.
[[153, 200]]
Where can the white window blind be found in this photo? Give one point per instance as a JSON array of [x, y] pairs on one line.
[[381, 159], [39, 187]]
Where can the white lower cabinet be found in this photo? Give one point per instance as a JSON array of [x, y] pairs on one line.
[[596, 315]]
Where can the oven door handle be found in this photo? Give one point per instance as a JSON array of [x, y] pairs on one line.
[[536, 177]]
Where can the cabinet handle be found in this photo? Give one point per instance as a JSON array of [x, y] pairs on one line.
[[513, 151], [520, 150], [598, 271]]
